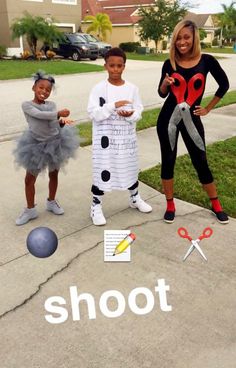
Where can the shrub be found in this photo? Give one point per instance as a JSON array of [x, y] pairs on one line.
[[215, 42], [50, 54], [39, 55], [129, 46], [205, 45], [25, 54], [3, 51], [228, 43]]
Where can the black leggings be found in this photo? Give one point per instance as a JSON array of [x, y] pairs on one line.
[[198, 157]]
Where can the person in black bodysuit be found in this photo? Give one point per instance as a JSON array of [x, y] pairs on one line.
[[183, 81]]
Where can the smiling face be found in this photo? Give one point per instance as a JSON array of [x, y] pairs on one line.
[[115, 66], [42, 89], [184, 42]]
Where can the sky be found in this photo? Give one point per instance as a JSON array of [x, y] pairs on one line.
[[209, 6]]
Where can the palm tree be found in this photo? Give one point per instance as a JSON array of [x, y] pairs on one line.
[[100, 24], [227, 20], [34, 28]]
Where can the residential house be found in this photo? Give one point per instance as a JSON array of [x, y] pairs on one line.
[[124, 18], [67, 15], [123, 15], [205, 22]]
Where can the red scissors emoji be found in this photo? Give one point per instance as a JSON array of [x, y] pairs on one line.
[[207, 232], [194, 88]]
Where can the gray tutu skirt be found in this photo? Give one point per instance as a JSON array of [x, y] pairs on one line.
[[36, 156]]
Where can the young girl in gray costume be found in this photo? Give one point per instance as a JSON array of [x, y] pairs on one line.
[[46, 144]]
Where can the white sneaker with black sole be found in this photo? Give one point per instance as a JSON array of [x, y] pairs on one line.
[[54, 206], [27, 215], [97, 215], [137, 202]]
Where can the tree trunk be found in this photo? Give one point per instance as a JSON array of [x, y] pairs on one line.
[[30, 43], [156, 42]]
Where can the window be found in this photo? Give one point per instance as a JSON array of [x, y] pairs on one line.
[[66, 2], [74, 38], [89, 37]]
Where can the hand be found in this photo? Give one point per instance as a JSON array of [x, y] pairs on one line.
[[63, 113], [168, 81], [122, 103], [66, 121], [200, 111], [125, 113]]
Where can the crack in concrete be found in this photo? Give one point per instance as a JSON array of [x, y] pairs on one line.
[[65, 236], [62, 269], [75, 258], [48, 279]]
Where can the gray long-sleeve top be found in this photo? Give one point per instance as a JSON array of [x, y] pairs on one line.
[[42, 119]]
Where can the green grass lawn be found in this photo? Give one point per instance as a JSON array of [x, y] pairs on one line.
[[223, 50], [149, 118], [164, 56], [16, 69], [221, 158], [147, 57]]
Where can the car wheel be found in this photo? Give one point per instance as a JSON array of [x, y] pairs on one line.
[[75, 56], [93, 58]]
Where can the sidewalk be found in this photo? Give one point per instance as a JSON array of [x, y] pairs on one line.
[[200, 329]]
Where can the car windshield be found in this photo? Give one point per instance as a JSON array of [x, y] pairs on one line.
[[76, 39], [90, 38]]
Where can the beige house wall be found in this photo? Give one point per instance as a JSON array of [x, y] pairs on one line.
[[4, 25], [209, 38], [66, 15], [119, 34], [129, 33], [210, 30]]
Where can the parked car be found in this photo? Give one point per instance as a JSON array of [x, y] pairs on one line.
[[76, 47], [103, 47]]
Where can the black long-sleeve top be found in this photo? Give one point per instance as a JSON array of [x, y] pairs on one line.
[[206, 64]]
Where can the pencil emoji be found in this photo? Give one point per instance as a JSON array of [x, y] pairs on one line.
[[121, 247]]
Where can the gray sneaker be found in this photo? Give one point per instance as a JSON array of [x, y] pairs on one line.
[[27, 215], [54, 207]]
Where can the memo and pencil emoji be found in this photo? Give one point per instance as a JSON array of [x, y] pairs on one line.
[[123, 245]]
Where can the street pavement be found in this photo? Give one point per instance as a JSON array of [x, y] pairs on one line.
[[72, 91], [200, 329]]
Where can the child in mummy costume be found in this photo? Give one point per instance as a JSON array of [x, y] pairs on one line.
[[114, 107], [46, 144]]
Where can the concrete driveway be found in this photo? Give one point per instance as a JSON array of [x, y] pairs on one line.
[[72, 91]]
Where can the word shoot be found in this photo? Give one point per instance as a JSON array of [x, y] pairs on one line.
[[59, 314]]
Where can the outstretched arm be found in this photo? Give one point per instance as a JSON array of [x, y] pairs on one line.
[[32, 110]]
